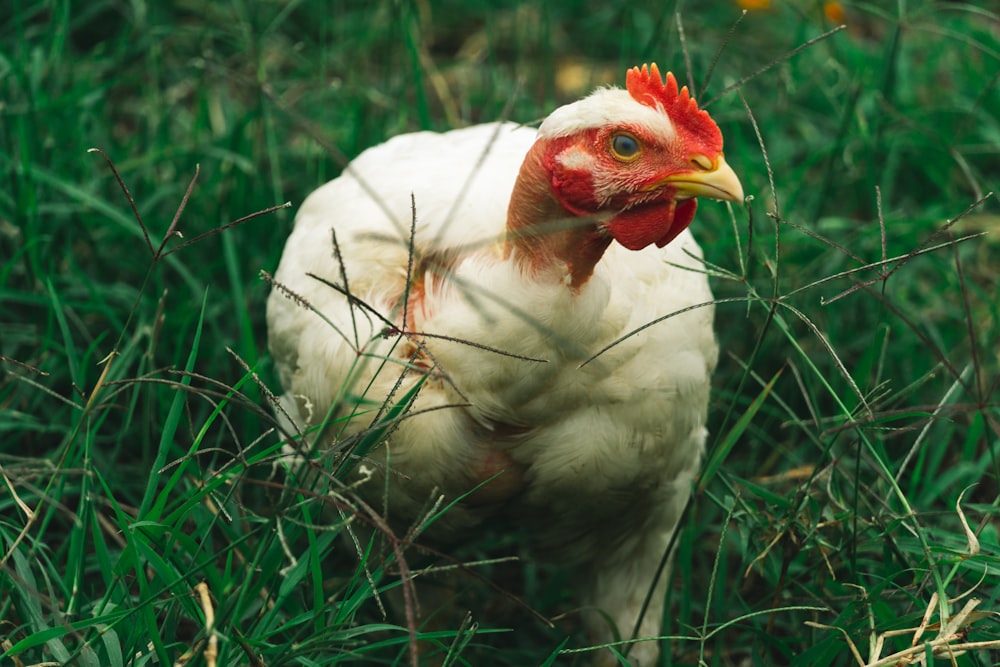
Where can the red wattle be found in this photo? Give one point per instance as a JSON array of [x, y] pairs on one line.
[[645, 225], [683, 216]]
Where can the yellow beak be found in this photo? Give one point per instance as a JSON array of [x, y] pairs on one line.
[[719, 183]]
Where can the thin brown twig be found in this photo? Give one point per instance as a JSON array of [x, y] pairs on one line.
[[684, 48], [776, 61], [229, 225], [27, 367], [867, 265], [128, 196], [970, 327], [172, 228], [339, 256], [392, 329], [913, 253], [410, 252], [719, 51], [882, 232], [273, 400]]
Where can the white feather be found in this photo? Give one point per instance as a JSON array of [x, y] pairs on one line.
[[598, 458], [604, 107]]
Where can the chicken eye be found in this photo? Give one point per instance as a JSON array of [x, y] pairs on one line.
[[625, 147]]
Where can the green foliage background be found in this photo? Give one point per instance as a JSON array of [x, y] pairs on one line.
[[854, 405]]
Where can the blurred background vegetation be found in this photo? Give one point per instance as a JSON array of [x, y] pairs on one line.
[[126, 482]]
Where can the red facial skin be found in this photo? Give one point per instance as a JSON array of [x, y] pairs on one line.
[[644, 213], [578, 181]]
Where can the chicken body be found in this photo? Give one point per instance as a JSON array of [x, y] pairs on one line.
[[594, 460]]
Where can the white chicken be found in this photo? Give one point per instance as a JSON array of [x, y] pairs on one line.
[[530, 252]]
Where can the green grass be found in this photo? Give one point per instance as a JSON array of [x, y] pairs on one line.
[[853, 407]]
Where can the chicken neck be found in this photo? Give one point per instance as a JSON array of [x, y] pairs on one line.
[[543, 237]]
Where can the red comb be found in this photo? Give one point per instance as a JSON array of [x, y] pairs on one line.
[[646, 87]]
